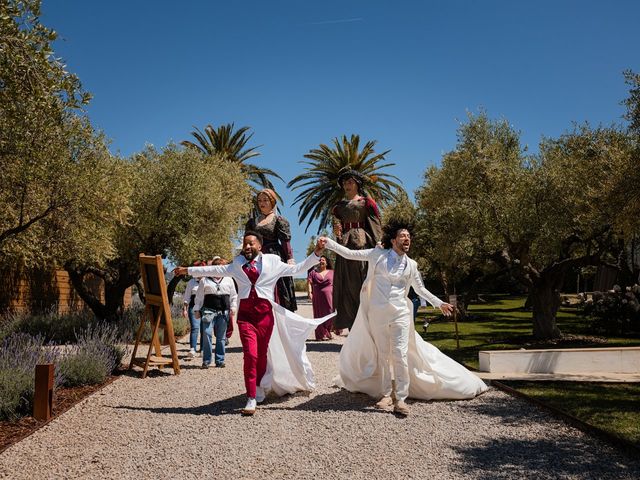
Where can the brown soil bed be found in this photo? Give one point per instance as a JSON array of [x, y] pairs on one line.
[[64, 398]]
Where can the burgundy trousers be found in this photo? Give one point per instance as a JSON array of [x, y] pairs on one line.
[[255, 325]]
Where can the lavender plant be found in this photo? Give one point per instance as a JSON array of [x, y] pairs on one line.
[[97, 353], [19, 355]]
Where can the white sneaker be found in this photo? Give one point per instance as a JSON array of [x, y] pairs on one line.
[[250, 407], [191, 354], [260, 394]]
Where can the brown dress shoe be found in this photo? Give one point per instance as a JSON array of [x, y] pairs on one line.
[[384, 403], [401, 408]]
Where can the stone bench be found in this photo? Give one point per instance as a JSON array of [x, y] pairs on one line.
[[580, 362]]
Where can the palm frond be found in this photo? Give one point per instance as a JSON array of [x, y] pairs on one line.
[[317, 186]]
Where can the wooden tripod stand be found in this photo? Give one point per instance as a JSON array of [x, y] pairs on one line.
[[158, 313]]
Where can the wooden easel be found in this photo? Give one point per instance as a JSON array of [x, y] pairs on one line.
[[158, 312]]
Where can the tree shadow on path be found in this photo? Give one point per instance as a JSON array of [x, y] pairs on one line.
[[563, 453], [338, 401], [544, 458], [228, 406]]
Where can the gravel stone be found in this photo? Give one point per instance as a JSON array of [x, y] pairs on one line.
[[189, 426]]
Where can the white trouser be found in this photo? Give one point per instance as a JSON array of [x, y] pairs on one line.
[[389, 325]]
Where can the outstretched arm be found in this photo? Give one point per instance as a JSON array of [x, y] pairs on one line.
[[347, 253], [287, 270], [418, 286], [208, 271]]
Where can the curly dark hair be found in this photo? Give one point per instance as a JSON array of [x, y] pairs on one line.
[[391, 228], [254, 234]]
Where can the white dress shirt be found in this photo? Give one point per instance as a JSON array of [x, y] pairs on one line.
[[270, 268], [390, 283], [190, 289], [216, 286]]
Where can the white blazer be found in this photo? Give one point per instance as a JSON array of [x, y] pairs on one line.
[[272, 269]]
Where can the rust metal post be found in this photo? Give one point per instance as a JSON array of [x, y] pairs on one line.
[[43, 395]]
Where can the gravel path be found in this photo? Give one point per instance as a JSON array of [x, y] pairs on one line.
[[189, 426]]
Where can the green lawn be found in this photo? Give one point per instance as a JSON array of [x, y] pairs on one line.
[[503, 324]]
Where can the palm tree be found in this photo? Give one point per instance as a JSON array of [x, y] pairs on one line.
[[231, 146], [325, 165]]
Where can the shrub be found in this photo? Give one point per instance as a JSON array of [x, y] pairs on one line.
[[95, 356], [54, 327], [300, 284], [19, 355], [615, 312]]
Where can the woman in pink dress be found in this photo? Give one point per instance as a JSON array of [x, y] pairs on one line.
[[320, 286]]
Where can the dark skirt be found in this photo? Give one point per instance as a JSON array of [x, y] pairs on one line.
[[347, 283]]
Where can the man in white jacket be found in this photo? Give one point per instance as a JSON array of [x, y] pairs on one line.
[[256, 275], [378, 347]]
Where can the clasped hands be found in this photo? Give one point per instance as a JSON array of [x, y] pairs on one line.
[[321, 244]]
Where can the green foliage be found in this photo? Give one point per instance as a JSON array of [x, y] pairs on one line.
[[400, 209], [632, 102], [300, 284], [319, 184], [19, 355], [130, 321], [95, 356], [223, 142], [491, 209], [60, 190], [183, 207], [54, 327], [502, 323], [83, 368], [16, 393], [465, 204]]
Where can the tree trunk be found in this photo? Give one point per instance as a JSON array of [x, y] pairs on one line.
[[545, 301], [115, 287]]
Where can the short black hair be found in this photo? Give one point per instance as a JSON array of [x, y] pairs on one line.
[[251, 233], [391, 229]]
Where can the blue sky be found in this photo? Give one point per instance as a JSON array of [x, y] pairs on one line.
[[300, 73]]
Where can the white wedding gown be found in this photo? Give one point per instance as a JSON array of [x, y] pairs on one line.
[[432, 374]]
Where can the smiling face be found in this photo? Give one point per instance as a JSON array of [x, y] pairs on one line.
[[323, 263], [264, 203], [251, 246], [402, 242]]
